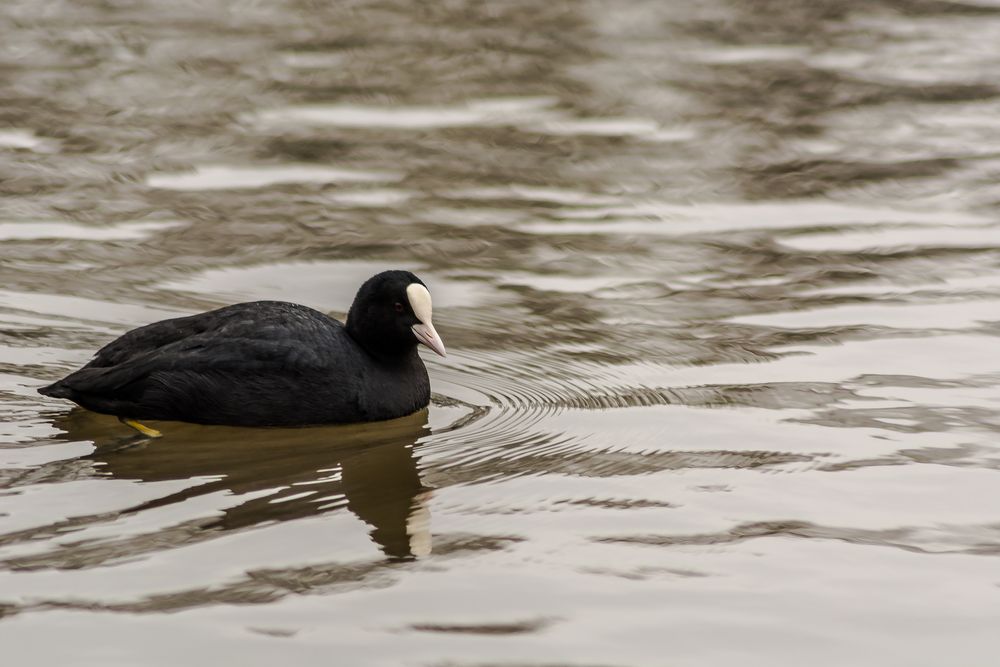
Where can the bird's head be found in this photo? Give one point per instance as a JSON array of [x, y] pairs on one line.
[[391, 314]]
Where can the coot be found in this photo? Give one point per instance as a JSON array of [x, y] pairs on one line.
[[269, 363]]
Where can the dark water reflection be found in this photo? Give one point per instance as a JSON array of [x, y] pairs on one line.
[[273, 475], [370, 469], [719, 282]]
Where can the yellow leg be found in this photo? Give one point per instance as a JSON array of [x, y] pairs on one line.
[[145, 430]]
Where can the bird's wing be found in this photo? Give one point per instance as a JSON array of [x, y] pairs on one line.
[[207, 355], [254, 320]]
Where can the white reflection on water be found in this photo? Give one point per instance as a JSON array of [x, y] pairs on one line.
[[374, 198], [939, 285], [125, 231], [668, 218], [222, 177], [324, 285], [939, 357], [81, 309], [531, 114], [643, 128], [477, 113], [952, 315], [903, 237], [15, 138]]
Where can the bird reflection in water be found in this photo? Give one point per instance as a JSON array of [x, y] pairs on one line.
[[369, 468]]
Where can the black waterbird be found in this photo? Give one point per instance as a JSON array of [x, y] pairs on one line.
[[269, 363]]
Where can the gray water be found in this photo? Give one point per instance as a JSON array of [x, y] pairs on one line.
[[720, 283]]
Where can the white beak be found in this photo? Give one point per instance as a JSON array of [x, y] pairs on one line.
[[426, 334]]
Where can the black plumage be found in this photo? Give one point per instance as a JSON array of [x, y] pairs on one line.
[[268, 363]]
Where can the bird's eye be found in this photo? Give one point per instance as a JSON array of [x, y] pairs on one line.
[[398, 306]]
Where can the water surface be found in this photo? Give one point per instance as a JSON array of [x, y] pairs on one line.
[[719, 283]]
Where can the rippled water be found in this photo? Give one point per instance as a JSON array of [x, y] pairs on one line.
[[720, 283]]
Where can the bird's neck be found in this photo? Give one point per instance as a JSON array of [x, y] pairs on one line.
[[382, 350]]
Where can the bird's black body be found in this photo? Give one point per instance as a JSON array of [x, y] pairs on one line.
[[265, 363]]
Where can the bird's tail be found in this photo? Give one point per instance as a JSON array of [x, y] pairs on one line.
[[56, 390]]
